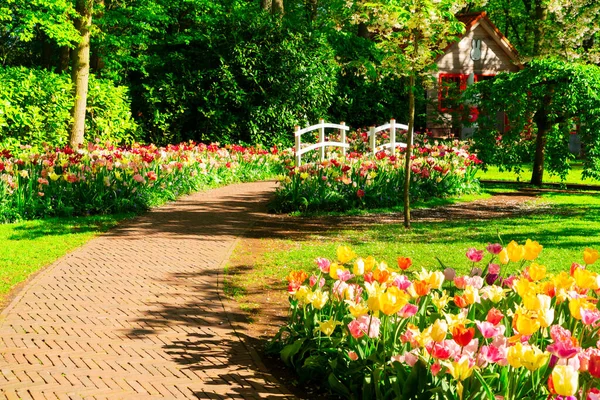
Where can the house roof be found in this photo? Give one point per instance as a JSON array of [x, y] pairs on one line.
[[473, 20]]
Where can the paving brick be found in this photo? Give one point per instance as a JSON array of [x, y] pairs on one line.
[[136, 313]]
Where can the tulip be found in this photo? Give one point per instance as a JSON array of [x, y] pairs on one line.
[[439, 329], [590, 256], [594, 364], [495, 248], [565, 380], [526, 325], [462, 335], [532, 250], [474, 255], [345, 254], [536, 272], [515, 251], [404, 263], [327, 327], [503, 256], [318, 299], [494, 316]]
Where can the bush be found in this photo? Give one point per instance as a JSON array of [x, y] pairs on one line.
[[246, 80], [35, 108]]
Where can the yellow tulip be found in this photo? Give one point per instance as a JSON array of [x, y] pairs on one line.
[[461, 369], [345, 254], [514, 355], [515, 251], [439, 330], [392, 300], [532, 250], [494, 293], [585, 279], [565, 379], [54, 176], [536, 272], [357, 309], [503, 256], [440, 301], [525, 287], [359, 267], [590, 256], [333, 270], [575, 306], [318, 299], [471, 295], [301, 294], [527, 325], [533, 358], [369, 263], [436, 279], [327, 327]]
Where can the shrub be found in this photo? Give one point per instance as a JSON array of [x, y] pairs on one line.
[[35, 108]]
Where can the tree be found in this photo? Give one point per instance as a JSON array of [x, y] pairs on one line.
[[411, 33], [544, 104], [80, 70]]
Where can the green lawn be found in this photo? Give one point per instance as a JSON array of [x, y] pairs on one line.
[[564, 224], [574, 176], [31, 245]]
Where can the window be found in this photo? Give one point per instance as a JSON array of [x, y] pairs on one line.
[[450, 87]]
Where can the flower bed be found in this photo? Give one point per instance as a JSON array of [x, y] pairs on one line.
[[366, 181], [368, 330], [108, 179]]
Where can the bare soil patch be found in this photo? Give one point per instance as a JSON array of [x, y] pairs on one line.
[[262, 307]]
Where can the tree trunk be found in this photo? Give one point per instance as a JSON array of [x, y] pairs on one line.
[[64, 59], [312, 9], [265, 5], [408, 153], [543, 126], [46, 52], [277, 7], [363, 30], [541, 13], [80, 72]]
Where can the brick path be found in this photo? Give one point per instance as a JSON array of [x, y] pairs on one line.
[[136, 313]]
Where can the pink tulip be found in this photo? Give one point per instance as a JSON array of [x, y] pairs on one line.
[[493, 269], [364, 324], [474, 255], [402, 282], [345, 275], [408, 310], [495, 248], [323, 264], [489, 330], [589, 317], [352, 355], [435, 368]]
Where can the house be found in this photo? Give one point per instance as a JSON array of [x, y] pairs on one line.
[[481, 53]]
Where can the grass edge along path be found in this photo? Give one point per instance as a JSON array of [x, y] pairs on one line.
[[29, 246]]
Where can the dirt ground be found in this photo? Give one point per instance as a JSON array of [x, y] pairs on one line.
[[264, 306]]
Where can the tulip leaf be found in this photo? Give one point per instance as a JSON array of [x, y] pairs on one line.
[[289, 351], [337, 386]]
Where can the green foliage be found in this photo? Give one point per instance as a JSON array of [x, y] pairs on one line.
[[565, 95], [35, 109]]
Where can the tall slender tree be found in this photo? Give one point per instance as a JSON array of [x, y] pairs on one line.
[[411, 33], [80, 70]]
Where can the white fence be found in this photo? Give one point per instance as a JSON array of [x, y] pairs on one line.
[[321, 144]]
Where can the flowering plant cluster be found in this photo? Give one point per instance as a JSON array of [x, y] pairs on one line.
[[360, 180], [108, 179], [370, 330]]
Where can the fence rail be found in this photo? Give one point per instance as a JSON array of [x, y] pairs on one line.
[[321, 144]]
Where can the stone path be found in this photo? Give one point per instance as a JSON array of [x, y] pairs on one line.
[[136, 313]]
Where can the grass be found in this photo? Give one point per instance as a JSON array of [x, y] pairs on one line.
[[565, 224], [574, 176], [29, 246]]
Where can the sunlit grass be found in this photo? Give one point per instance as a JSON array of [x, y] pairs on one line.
[[574, 177], [565, 224]]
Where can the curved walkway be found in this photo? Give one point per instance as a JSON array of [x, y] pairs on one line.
[[136, 313]]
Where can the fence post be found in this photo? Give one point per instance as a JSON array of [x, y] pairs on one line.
[[393, 136], [372, 139], [322, 137], [343, 136], [297, 139]]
